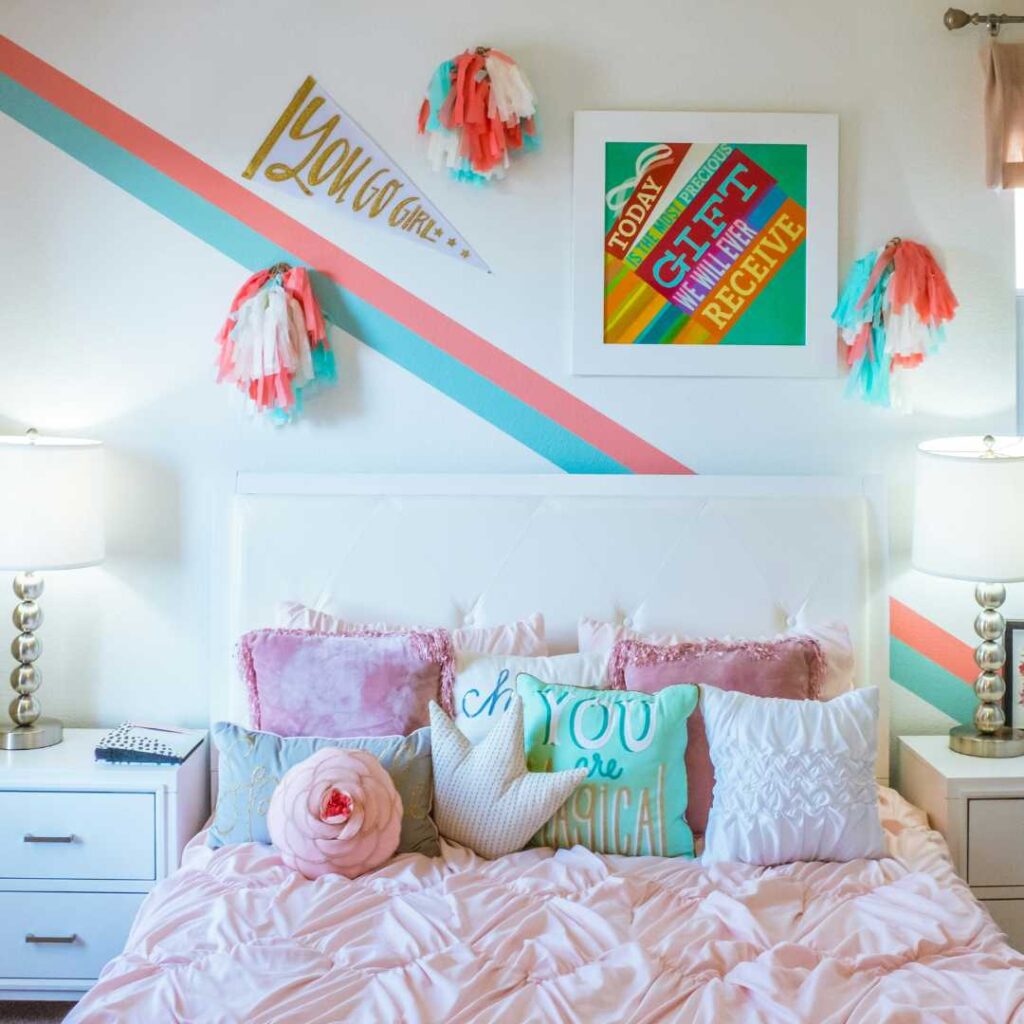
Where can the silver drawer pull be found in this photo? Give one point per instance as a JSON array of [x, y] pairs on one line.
[[51, 940], [49, 839]]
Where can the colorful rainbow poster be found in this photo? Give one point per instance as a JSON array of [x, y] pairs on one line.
[[705, 243]]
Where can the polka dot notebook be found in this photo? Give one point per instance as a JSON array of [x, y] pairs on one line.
[[138, 744]]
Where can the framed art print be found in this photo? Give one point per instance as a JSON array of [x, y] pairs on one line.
[[704, 244], [1013, 671]]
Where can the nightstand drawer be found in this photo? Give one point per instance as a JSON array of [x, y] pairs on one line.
[[994, 831], [63, 934], [1009, 915], [77, 835]]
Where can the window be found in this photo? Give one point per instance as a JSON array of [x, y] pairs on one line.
[[1018, 216]]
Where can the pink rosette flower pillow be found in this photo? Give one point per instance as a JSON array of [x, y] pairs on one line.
[[337, 812]]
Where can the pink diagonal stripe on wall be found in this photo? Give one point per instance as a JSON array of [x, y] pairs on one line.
[[932, 641], [440, 330]]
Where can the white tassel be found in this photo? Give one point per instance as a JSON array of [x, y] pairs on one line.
[[906, 335], [443, 150], [275, 330], [245, 335], [269, 336], [511, 95], [301, 355]]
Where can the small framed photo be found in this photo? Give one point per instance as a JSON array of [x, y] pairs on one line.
[[1013, 671]]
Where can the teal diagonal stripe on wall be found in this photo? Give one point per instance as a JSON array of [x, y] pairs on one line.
[[930, 682]]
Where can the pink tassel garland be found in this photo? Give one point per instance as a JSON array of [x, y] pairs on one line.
[[273, 343]]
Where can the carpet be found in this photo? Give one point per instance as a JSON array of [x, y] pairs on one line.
[[33, 1013]]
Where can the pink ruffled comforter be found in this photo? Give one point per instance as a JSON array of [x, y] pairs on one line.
[[567, 936]]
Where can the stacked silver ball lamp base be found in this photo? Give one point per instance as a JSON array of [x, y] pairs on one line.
[[56, 523], [27, 730], [989, 735]]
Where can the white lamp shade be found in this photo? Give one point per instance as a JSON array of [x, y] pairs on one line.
[[969, 509], [51, 513]]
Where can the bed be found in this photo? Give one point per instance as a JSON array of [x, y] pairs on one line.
[[568, 935]]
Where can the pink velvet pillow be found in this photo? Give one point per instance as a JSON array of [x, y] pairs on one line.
[[790, 667], [319, 684]]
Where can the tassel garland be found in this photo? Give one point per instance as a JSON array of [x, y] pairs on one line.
[[479, 109], [891, 314], [273, 345]]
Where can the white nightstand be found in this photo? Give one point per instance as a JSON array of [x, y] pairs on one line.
[[977, 803], [81, 844]]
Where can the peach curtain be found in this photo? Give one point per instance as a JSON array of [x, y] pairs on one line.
[[1004, 115]]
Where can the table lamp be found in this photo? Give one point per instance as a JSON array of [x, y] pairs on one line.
[[968, 505], [51, 518]]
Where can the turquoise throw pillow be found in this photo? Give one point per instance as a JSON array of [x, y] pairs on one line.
[[251, 764], [634, 745]]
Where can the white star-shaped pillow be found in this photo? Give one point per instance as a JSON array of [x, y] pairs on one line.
[[484, 797]]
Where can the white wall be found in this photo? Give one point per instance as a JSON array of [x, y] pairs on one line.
[[110, 310]]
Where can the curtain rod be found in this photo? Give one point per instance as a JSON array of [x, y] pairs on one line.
[[955, 18]]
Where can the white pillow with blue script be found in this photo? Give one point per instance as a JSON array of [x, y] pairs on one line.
[[485, 685]]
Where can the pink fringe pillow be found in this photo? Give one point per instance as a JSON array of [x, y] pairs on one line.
[[320, 684], [524, 638], [834, 637], [337, 812], [789, 667]]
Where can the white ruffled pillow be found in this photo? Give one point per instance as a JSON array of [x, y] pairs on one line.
[[524, 638], [485, 686], [794, 779], [834, 638]]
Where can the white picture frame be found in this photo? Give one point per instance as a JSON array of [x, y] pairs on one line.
[[779, 355], [1013, 672]]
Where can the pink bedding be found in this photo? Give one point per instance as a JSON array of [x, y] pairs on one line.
[[569, 936]]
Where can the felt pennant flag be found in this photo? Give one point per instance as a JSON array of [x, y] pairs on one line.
[[316, 151]]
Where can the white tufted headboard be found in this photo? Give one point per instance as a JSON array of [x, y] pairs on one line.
[[701, 554]]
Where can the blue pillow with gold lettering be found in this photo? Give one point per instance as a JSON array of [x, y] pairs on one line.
[[634, 745]]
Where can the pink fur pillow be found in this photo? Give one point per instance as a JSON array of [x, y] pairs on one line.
[[790, 667], [320, 684], [524, 638], [834, 637], [337, 812]]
